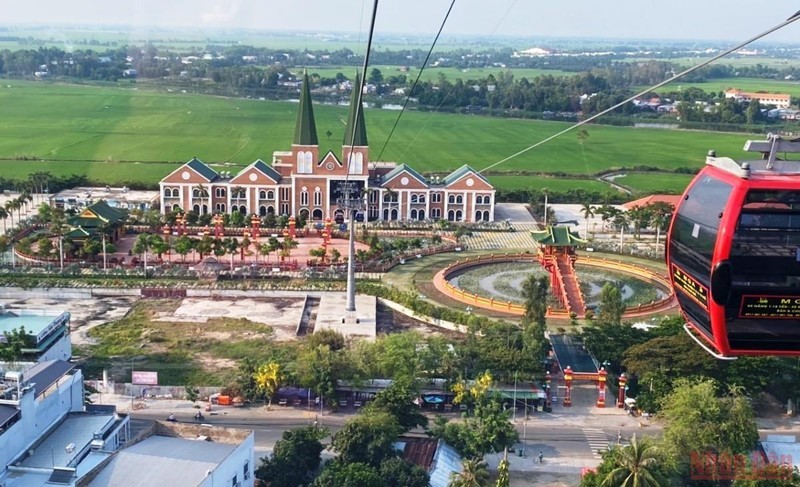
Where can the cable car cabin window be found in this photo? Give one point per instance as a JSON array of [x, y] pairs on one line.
[[692, 241], [763, 310]]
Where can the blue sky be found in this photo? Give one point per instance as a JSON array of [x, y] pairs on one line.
[[677, 19]]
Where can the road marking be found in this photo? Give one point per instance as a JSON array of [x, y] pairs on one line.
[[597, 439]]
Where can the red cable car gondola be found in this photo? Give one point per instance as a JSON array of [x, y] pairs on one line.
[[733, 253]]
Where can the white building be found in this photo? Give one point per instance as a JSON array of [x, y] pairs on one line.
[[47, 331], [123, 198]]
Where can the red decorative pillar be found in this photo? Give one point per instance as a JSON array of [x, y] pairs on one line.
[[568, 383], [167, 232], [218, 231], [601, 387], [255, 224], [182, 225], [623, 380], [292, 230], [547, 380], [246, 236]]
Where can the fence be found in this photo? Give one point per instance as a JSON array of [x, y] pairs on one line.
[[441, 282]]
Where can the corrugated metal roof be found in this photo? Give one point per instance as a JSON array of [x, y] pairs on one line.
[[201, 168], [6, 414], [263, 167], [45, 374], [162, 460], [78, 429], [445, 462]]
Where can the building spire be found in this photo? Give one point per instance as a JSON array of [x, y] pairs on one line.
[[305, 132], [356, 114]]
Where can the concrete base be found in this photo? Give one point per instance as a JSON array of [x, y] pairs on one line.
[[332, 315]]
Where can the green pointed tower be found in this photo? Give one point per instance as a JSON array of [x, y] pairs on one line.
[[305, 132], [356, 113]]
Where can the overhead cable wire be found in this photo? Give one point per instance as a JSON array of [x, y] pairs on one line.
[[450, 91], [360, 88], [416, 81], [783, 24]]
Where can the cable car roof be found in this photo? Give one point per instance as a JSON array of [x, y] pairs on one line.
[[768, 166]]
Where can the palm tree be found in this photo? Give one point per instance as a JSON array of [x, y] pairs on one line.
[[474, 473], [588, 211], [231, 245], [203, 192], [636, 465], [4, 216], [142, 245]]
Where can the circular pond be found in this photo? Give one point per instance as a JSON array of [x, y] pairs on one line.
[[503, 281]]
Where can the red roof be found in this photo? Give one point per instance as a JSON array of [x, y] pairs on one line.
[[672, 199], [419, 451]]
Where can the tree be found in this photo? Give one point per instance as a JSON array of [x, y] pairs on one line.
[[159, 245], [268, 378], [16, 340], [231, 246], [183, 245], [45, 247], [294, 459], [338, 473], [636, 465], [588, 211], [192, 394], [474, 473], [697, 422], [142, 245], [535, 291], [503, 479], [610, 342], [488, 430], [375, 77], [611, 305], [204, 246], [397, 400], [396, 472], [335, 256], [367, 438]]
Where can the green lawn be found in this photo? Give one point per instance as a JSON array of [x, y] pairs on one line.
[[119, 126], [655, 182], [553, 184], [745, 84]]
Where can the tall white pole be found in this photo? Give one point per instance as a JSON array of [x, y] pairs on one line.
[[61, 251], [515, 399], [105, 262], [544, 219]]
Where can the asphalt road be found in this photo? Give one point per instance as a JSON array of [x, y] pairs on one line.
[[553, 440]]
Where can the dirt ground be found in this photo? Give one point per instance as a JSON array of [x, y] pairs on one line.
[[539, 479], [281, 314]]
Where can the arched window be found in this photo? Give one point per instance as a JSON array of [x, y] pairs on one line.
[[304, 198], [270, 195], [309, 166], [436, 212], [262, 195], [421, 215], [262, 210], [167, 192], [414, 198], [176, 207], [479, 200], [176, 193], [459, 200], [356, 163], [451, 199], [413, 214], [317, 197], [451, 215], [196, 209], [422, 198], [195, 193], [478, 216], [459, 215], [486, 215]]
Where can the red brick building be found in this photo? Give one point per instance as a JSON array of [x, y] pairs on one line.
[[303, 182]]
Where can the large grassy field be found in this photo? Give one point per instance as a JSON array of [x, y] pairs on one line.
[[654, 182], [117, 127], [745, 84]]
